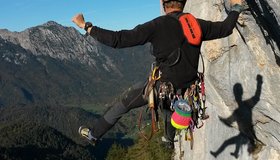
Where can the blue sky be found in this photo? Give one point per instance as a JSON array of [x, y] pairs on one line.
[[17, 15]]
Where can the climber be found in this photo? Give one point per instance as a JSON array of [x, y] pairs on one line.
[[169, 42]]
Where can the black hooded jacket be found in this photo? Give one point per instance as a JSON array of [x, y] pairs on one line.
[[166, 36]]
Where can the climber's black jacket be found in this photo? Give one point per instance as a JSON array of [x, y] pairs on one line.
[[166, 35]]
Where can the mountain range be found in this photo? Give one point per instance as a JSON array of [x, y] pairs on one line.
[[48, 73], [52, 64]]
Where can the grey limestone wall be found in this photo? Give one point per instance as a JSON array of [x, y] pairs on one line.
[[242, 84]]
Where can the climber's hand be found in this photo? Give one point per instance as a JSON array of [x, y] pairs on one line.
[[259, 78], [233, 2], [79, 20]]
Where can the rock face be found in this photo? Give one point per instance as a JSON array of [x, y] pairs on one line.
[[242, 83]]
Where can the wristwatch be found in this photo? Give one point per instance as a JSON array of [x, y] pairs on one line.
[[87, 25]]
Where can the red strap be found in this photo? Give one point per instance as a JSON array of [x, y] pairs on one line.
[[201, 76], [191, 28]]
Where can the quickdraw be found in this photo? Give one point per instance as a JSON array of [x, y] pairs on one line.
[[195, 96], [203, 98]]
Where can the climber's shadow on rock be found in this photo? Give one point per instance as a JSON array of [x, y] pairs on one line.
[[243, 117]]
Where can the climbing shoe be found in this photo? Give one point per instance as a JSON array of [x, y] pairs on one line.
[[86, 133]]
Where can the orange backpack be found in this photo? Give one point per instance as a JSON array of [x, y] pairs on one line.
[[191, 28]]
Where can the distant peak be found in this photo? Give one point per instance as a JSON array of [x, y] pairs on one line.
[[4, 30], [51, 23]]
